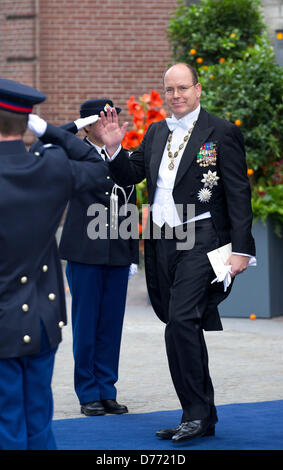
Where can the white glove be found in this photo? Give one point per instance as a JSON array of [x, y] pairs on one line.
[[224, 276], [133, 270], [37, 125], [82, 122]]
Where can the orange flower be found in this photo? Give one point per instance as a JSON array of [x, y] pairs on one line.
[[138, 121], [279, 35], [211, 77], [232, 35], [222, 60], [132, 139], [131, 103], [138, 111], [145, 98], [193, 52], [145, 127], [205, 67], [238, 122], [250, 171], [143, 114], [153, 115], [155, 99], [144, 216], [199, 60]]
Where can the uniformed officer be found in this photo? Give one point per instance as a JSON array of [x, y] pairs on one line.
[[34, 191], [97, 272]]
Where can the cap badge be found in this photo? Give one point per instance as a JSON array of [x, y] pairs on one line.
[[106, 107]]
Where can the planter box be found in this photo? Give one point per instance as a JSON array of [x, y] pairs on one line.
[[259, 289]]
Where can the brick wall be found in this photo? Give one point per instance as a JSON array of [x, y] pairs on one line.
[[75, 50], [94, 48], [18, 51]]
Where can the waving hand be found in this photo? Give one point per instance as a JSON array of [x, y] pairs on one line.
[[111, 133]]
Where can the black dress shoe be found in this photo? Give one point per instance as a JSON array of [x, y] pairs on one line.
[[93, 408], [167, 433], [192, 429], [112, 407]]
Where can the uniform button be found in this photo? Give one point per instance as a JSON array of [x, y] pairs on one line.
[[45, 268], [37, 154], [52, 296], [61, 324], [108, 177], [106, 225], [24, 280], [25, 307], [27, 339], [106, 208], [107, 193]]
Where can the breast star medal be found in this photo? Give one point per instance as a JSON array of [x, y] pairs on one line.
[[210, 179], [175, 155], [204, 195]]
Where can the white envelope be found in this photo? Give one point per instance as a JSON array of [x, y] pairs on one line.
[[219, 257], [222, 271]]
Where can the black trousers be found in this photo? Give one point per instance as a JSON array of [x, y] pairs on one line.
[[184, 277]]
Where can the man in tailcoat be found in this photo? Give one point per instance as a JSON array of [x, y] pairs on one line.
[[193, 159], [98, 272], [35, 188]]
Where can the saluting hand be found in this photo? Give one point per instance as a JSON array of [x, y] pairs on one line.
[[111, 133]]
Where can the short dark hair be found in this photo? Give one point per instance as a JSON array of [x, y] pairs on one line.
[[193, 72], [12, 123], [190, 67]]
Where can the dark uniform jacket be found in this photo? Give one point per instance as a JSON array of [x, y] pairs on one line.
[[35, 188], [77, 242], [229, 202]]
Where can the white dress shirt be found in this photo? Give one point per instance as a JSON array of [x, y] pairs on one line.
[[164, 209], [99, 149]]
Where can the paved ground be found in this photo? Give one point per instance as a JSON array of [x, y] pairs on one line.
[[246, 361]]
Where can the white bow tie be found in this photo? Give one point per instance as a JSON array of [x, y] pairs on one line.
[[173, 122]]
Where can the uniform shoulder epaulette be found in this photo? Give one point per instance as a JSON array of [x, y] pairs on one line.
[[40, 152]]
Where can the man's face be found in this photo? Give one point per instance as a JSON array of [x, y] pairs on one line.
[[182, 96]]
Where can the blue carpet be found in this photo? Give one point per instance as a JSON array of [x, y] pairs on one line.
[[244, 426]]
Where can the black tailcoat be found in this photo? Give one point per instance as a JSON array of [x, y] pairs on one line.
[[76, 245], [34, 190], [230, 203]]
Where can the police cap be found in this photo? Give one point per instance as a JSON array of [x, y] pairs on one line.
[[17, 97], [92, 107]]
